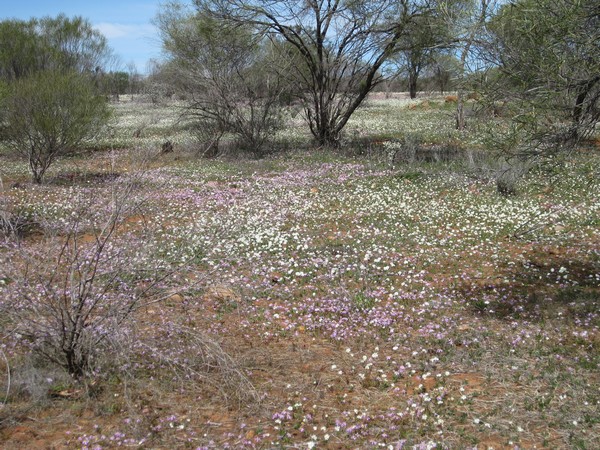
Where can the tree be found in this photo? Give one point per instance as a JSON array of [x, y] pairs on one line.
[[230, 75], [49, 114], [60, 43], [547, 54], [468, 20], [155, 86], [114, 83], [74, 44], [21, 51], [50, 71], [444, 69], [135, 79], [341, 47], [425, 36], [4, 92]]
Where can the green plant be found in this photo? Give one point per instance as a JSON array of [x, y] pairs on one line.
[[230, 77], [49, 114], [363, 301]]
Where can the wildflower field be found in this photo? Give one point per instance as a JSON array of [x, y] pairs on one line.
[[381, 295]]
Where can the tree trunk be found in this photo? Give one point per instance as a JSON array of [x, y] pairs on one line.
[[412, 85], [460, 111], [578, 109], [470, 40], [328, 138]]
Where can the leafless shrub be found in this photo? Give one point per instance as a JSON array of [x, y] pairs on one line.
[[200, 358], [36, 381], [74, 303], [69, 298], [14, 222]]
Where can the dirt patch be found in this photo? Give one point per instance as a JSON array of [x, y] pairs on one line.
[[470, 382]]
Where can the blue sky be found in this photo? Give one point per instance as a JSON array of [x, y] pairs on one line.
[[126, 23]]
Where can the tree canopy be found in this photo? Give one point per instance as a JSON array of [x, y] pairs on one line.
[[548, 57], [59, 43], [341, 48]]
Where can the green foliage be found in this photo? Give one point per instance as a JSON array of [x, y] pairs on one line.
[[20, 49], [4, 91], [60, 43], [115, 83], [547, 53], [74, 44], [421, 46], [363, 301], [443, 69], [48, 77], [49, 114], [230, 75]]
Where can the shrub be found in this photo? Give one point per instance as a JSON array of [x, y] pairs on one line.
[[73, 303], [49, 114], [230, 76]]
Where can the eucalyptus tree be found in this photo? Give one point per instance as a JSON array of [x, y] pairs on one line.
[[340, 48]]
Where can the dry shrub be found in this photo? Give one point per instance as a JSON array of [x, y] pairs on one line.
[[74, 303], [450, 99], [15, 222], [194, 357]]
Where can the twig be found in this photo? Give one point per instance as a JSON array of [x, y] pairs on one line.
[[8, 377]]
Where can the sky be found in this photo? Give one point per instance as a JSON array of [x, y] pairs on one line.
[[125, 23]]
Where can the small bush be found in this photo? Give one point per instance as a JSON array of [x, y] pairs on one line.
[[16, 224], [49, 114]]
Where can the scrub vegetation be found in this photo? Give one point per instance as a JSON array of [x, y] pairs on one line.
[[265, 243], [380, 294]]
